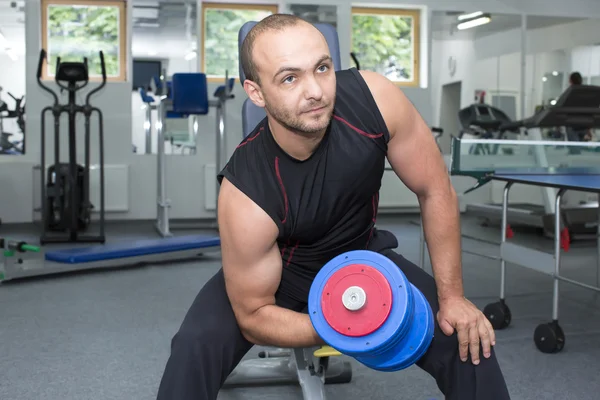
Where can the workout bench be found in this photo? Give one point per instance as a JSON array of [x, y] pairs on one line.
[[310, 367], [123, 253]]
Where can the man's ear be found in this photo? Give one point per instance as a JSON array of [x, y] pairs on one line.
[[254, 93]]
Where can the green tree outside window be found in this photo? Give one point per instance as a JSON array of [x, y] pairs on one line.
[[222, 24], [385, 41], [76, 31]]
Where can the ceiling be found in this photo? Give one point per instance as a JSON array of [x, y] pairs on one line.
[[444, 24], [12, 25], [173, 21], [164, 17]]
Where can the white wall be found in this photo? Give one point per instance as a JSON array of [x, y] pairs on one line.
[[586, 60], [462, 52]]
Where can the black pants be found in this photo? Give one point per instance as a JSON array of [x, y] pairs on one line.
[[209, 345]]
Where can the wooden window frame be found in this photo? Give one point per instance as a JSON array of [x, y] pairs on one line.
[[273, 7], [415, 14], [120, 4]]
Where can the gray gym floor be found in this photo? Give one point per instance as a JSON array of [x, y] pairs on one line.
[[106, 334]]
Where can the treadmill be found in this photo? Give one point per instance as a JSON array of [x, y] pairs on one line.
[[578, 108], [483, 121]]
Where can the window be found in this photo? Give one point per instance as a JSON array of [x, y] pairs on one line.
[[387, 41], [74, 29], [221, 24]]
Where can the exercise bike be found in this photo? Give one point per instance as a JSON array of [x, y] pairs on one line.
[[66, 205], [7, 145]]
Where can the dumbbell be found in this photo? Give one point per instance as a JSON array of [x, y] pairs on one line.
[[361, 304]]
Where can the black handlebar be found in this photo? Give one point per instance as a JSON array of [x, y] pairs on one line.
[[39, 76], [42, 58], [103, 69], [103, 66], [41, 63]]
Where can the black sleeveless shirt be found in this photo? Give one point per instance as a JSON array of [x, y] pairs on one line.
[[324, 205]]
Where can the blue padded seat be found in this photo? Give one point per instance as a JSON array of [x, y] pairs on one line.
[[157, 88], [146, 98], [219, 91], [252, 114], [189, 93]]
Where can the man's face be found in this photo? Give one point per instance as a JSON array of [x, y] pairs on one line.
[[297, 79]]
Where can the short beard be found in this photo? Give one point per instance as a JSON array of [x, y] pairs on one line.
[[291, 123]]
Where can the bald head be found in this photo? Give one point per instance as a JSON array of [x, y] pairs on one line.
[[289, 72], [272, 23]]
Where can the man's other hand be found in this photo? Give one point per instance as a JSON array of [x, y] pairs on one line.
[[472, 327]]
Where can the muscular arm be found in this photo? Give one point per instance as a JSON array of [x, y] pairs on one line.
[[416, 159], [252, 267]]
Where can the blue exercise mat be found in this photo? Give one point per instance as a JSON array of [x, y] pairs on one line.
[[132, 249]]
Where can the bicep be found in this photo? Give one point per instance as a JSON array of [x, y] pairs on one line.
[[251, 259], [412, 151]]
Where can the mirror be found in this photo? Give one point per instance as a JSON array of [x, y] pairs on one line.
[[562, 52], [475, 60], [154, 62], [12, 78]]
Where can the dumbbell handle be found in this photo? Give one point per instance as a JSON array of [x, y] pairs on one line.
[[21, 247], [354, 298]]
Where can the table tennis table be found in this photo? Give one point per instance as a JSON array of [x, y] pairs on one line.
[[555, 167]]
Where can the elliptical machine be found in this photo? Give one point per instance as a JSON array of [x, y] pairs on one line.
[[66, 205]]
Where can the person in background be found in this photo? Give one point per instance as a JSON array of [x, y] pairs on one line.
[[578, 135], [575, 79]]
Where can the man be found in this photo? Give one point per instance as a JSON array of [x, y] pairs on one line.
[[303, 188], [573, 134]]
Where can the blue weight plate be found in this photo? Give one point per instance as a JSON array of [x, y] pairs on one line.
[[396, 323], [414, 345]]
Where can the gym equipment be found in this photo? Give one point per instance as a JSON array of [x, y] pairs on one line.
[[65, 191], [558, 167], [7, 146], [149, 107], [483, 121], [177, 138], [109, 255], [576, 108], [187, 95], [11, 247], [362, 305], [311, 367]]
